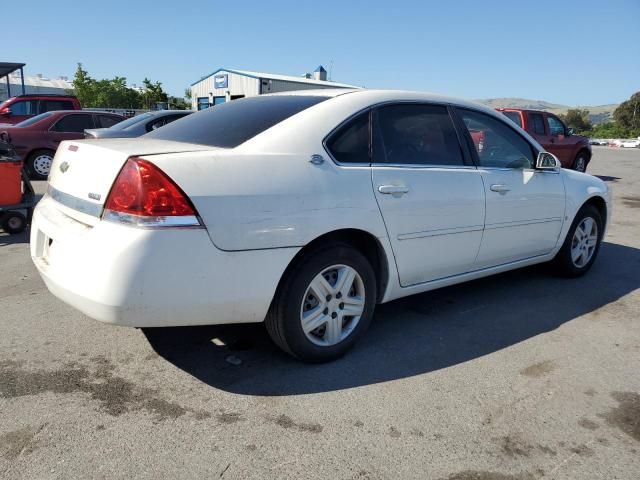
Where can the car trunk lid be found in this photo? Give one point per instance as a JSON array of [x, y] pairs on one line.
[[83, 172]]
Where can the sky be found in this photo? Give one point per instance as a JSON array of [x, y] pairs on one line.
[[564, 51]]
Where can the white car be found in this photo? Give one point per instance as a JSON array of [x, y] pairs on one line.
[[629, 143], [304, 210]]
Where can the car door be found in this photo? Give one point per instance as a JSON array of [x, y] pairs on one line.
[[70, 127], [430, 195], [561, 143], [22, 110], [524, 206]]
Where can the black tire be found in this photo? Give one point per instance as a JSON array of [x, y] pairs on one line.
[[563, 262], [283, 321], [35, 171], [581, 162], [13, 222]]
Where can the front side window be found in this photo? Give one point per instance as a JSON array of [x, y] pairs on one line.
[[74, 123], [350, 143], [556, 127], [24, 107], [496, 144], [232, 123], [537, 121], [416, 135]]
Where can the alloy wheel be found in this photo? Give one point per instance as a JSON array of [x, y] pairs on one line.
[[332, 305], [584, 242]]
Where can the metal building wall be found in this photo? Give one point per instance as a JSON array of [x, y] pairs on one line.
[[286, 86], [238, 85]]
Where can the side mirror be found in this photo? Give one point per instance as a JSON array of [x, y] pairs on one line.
[[569, 131], [5, 111], [547, 161]]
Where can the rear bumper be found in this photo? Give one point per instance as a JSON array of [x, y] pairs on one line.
[[151, 277]]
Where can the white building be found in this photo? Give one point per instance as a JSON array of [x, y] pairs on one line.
[[34, 85], [226, 84]]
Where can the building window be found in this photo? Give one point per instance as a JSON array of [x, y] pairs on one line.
[[203, 102]]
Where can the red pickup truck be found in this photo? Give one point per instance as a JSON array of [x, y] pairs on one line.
[[22, 107], [573, 151]]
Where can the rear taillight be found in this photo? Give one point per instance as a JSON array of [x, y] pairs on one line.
[[145, 196]]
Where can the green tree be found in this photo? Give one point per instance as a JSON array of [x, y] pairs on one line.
[[627, 115], [187, 94], [153, 93], [83, 86], [577, 119]]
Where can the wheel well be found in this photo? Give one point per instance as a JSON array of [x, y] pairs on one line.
[[366, 243], [600, 205], [585, 151]]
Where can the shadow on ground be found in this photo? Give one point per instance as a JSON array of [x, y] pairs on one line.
[[6, 239], [410, 336]]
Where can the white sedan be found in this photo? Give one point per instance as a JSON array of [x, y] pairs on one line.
[[304, 211]]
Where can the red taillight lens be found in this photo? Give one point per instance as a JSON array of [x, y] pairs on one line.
[[142, 189]]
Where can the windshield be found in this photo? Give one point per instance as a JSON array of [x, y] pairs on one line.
[[234, 122], [32, 120], [130, 121]]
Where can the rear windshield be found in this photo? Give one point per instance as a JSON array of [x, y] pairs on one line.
[[130, 121], [229, 124], [514, 117], [32, 120]]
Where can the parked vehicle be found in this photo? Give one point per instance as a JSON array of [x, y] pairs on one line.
[[573, 151], [20, 108], [598, 141], [36, 139], [304, 211], [630, 143], [138, 125]]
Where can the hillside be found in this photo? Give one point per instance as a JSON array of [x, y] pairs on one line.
[[597, 113]]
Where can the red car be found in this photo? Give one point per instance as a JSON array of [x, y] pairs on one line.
[[22, 107], [36, 139], [572, 150]]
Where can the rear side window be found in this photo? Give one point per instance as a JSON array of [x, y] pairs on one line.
[[350, 143], [416, 135], [49, 105], [74, 123], [514, 117], [107, 121], [232, 123], [537, 120]]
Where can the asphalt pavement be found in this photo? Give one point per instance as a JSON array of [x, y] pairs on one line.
[[514, 377]]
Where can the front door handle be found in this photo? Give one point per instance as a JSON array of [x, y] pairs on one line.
[[500, 188], [395, 190]]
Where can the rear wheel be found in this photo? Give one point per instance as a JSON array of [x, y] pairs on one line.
[[580, 163], [13, 222], [582, 244], [39, 164], [324, 304]]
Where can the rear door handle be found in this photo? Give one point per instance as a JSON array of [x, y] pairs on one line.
[[500, 188], [395, 190]]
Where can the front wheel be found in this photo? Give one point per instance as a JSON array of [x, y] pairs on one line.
[[580, 163], [582, 244], [324, 304], [39, 164]]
